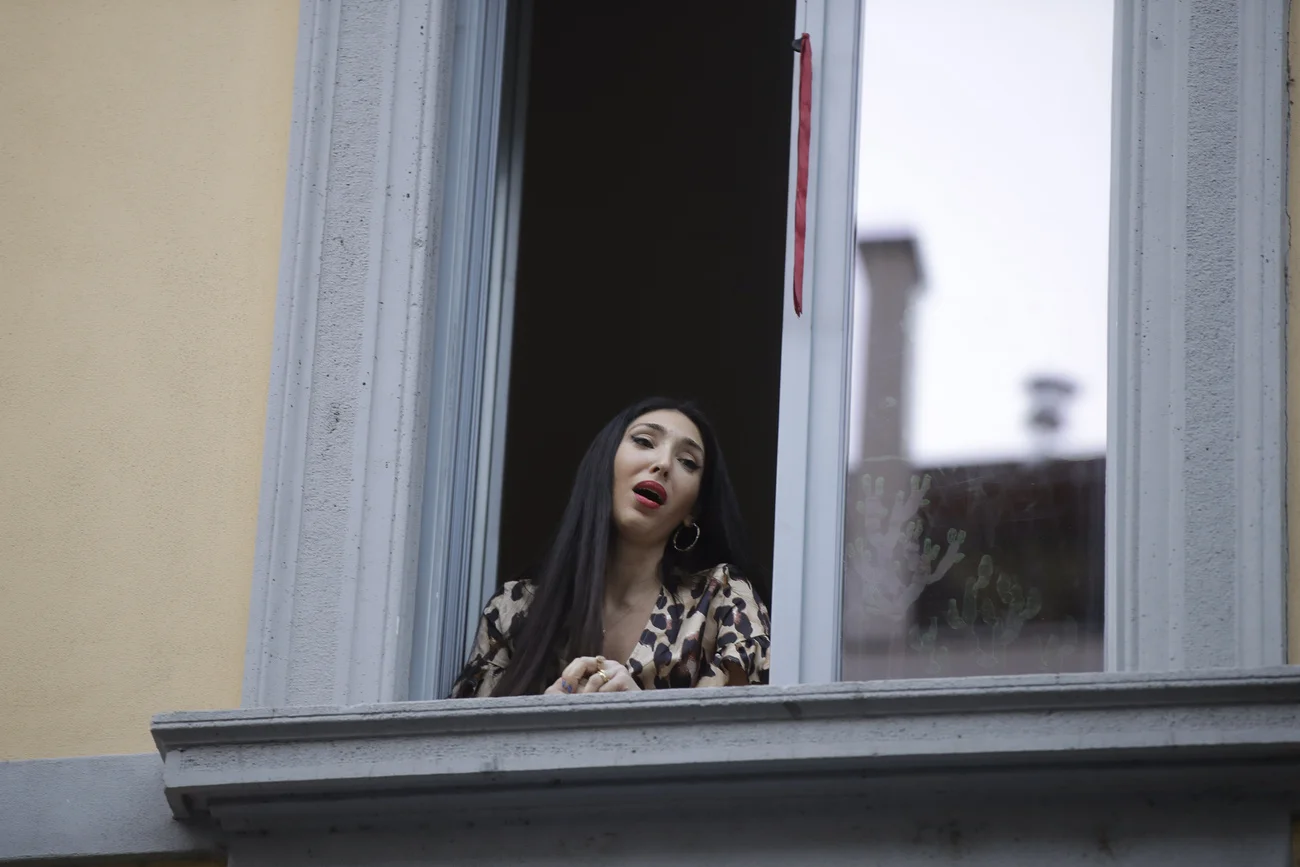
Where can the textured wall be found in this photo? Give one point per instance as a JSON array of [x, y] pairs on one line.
[[92, 808], [1293, 358], [142, 162]]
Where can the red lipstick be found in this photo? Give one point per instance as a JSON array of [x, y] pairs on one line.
[[650, 494]]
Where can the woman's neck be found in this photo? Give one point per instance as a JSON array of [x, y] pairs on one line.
[[632, 572]]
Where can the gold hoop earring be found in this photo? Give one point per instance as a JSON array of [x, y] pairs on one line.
[[677, 541]]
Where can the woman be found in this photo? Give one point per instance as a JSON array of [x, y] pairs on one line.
[[642, 587]]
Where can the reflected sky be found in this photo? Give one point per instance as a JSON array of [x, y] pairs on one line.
[[986, 134]]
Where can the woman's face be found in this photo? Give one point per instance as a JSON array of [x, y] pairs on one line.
[[657, 472]]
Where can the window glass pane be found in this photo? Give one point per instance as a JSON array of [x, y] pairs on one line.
[[974, 533]]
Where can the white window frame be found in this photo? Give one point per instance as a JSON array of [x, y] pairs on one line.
[[812, 436], [472, 339], [1195, 510], [1175, 597]]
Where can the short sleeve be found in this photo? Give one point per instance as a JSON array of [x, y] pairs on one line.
[[743, 641], [492, 645]]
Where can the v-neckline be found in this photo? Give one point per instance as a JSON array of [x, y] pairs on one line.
[[637, 645]]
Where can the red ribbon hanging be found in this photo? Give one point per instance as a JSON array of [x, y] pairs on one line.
[[801, 169]]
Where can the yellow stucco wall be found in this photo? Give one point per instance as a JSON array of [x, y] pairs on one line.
[[143, 147]]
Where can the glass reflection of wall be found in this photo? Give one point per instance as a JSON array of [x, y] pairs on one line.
[[974, 525]]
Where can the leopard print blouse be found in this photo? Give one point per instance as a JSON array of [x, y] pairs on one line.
[[712, 620]]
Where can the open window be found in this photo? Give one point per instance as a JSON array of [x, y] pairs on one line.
[[375, 368], [651, 247], [637, 246], [921, 454]]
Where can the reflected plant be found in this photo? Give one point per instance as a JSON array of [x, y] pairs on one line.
[[889, 563], [889, 559], [1003, 623], [926, 644], [1055, 650]]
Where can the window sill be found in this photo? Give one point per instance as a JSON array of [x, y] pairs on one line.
[[1217, 732]]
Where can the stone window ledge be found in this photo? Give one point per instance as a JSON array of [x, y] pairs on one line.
[[1212, 732]]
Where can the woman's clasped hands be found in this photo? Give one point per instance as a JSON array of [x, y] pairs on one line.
[[593, 674]]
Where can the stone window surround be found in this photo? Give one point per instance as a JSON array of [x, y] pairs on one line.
[[1196, 564], [1196, 517]]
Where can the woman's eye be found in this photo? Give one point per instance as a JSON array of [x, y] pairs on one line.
[[690, 465], [643, 441]]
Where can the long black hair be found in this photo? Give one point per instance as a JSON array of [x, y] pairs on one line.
[[565, 618]]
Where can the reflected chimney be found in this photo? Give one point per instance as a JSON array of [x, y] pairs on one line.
[[1048, 397], [881, 348], [893, 274]]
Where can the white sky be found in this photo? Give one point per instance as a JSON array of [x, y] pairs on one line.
[[985, 130]]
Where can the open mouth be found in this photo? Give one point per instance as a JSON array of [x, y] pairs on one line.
[[651, 494]]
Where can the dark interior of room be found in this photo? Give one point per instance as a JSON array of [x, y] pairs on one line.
[[652, 242]]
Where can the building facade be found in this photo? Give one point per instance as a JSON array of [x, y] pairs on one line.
[[228, 611]]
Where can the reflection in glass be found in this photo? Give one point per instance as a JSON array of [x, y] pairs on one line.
[[974, 512]]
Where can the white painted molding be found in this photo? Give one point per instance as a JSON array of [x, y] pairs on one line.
[[347, 412], [1261, 310], [289, 394], [812, 442], [463, 348], [1195, 512]]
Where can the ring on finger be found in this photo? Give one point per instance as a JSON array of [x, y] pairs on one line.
[[603, 676]]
